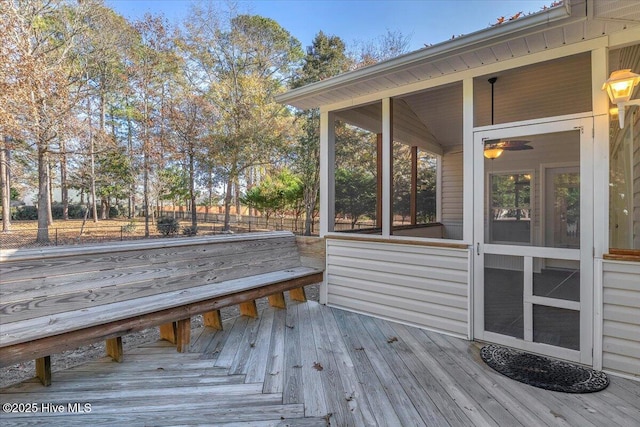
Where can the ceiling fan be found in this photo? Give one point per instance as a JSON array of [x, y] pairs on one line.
[[508, 144], [493, 148]]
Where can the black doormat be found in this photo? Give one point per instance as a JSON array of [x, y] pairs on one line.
[[543, 372]]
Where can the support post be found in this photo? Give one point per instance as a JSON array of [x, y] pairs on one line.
[[183, 335], [413, 210], [168, 332], [298, 294], [387, 166], [249, 309], [277, 300], [212, 319], [43, 370], [114, 349], [327, 172], [379, 180]]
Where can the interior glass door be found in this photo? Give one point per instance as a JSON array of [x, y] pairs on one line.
[[533, 266]]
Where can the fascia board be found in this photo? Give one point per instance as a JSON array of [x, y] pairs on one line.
[[468, 42]]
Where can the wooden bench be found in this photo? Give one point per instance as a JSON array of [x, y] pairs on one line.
[[56, 299]]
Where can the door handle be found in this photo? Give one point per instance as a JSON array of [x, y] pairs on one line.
[[478, 248]]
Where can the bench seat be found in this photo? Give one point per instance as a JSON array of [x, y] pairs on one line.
[[60, 300]]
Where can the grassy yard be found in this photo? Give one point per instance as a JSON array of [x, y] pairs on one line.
[[70, 232]]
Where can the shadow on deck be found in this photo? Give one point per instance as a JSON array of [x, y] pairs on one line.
[[309, 365]]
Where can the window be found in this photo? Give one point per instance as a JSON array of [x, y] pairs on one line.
[[510, 208], [624, 166]]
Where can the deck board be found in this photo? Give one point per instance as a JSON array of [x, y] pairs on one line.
[[314, 395], [274, 370], [515, 399], [292, 378], [390, 382], [356, 399], [375, 393], [265, 372]]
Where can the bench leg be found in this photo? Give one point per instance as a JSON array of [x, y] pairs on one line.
[[212, 319], [43, 370], [178, 333], [298, 294], [183, 335], [249, 309], [168, 332], [277, 300], [114, 349]]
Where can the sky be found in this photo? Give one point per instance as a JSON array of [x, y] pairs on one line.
[[425, 21]]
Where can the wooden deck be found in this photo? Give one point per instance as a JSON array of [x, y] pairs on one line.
[[311, 365]]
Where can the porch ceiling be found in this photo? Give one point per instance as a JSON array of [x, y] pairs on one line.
[[556, 27], [408, 128]]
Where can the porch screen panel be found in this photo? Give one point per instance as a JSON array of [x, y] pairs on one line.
[[624, 166], [358, 169], [556, 326], [503, 295]]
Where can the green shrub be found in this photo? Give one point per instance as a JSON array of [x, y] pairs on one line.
[[190, 230], [75, 211], [168, 225], [129, 228], [25, 213]]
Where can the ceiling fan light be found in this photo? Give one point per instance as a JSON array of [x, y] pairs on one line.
[[493, 153]]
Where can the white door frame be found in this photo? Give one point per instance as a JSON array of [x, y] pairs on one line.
[[584, 254]]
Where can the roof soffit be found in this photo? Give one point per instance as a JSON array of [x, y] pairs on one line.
[[550, 29]]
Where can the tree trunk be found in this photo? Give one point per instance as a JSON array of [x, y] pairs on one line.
[[94, 205], [227, 204], [5, 183], [43, 194], [310, 202], [64, 189], [236, 195], [145, 154], [50, 204], [252, 210], [206, 214], [192, 190], [104, 209], [132, 194], [145, 186]]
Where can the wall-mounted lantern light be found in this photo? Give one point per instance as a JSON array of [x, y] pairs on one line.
[[619, 87]]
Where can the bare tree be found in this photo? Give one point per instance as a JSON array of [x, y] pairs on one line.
[[243, 64], [5, 184], [42, 35], [153, 67]]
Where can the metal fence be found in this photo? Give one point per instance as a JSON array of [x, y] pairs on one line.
[[24, 235], [246, 223]]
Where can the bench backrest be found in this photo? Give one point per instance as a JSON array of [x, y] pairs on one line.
[[46, 281]]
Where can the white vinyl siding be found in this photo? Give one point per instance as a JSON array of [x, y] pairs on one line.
[[621, 318], [418, 285]]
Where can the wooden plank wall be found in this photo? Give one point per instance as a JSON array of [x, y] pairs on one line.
[[65, 279], [418, 285], [621, 314]]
